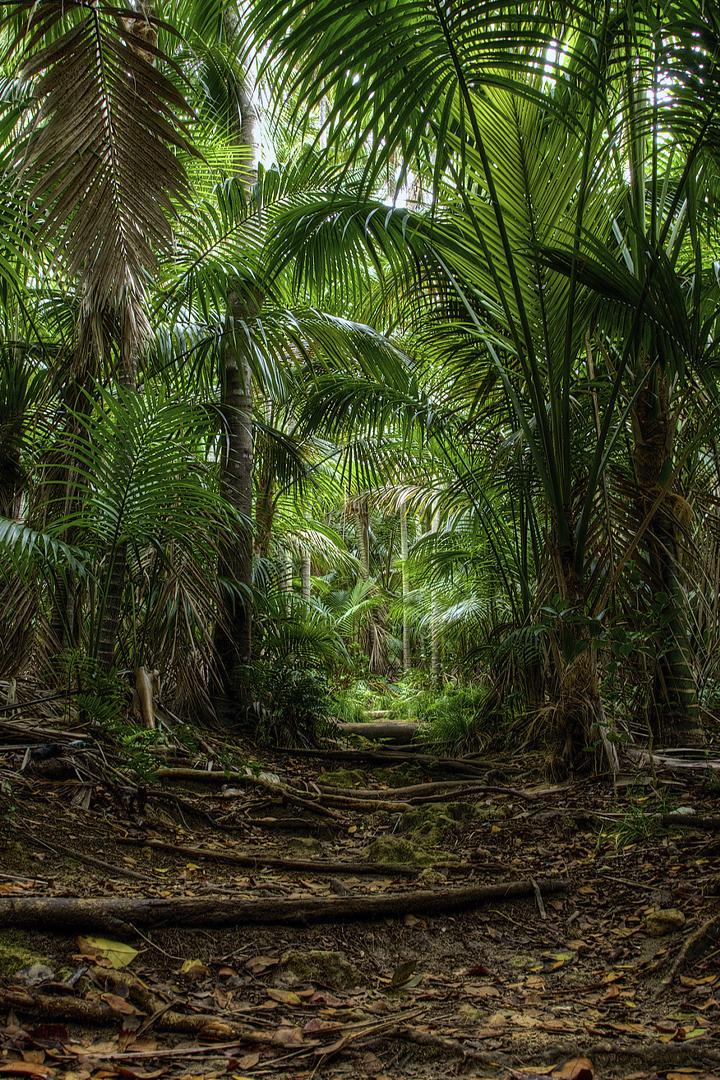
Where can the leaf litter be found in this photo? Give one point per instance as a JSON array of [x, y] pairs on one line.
[[496, 992]]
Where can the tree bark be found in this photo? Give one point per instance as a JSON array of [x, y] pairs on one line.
[[435, 640], [578, 716], [306, 575], [404, 554], [233, 632], [674, 714]]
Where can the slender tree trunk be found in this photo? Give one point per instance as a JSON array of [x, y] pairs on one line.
[[435, 638], [286, 573], [306, 575], [233, 633], [362, 521], [264, 516], [404, 555], [674, 715]]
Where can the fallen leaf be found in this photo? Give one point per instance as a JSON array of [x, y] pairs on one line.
[[26, 1068], [194, 969], [285, 997], [138, 1074], [578, 1068], [482, 992], [288, 1036], [117, 952], [248, 1061], [119, 1005], [402, 973], [257, 964]]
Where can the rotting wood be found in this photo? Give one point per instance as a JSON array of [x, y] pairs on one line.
[[260, 860], [123, 913]]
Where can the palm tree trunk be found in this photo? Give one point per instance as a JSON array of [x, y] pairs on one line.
[[233, 632], [435, 639], [404, 554], [264, 516], [674, 718], [306, 575]]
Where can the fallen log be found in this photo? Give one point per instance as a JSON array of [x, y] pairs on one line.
[[114, 912], [388, 729], [261, 861]]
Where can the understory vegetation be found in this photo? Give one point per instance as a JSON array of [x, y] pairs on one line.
[[361, 361]]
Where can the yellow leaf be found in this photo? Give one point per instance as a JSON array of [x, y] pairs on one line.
[[116, 952], [285, 997]]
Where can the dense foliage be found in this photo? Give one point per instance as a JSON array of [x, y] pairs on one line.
[[370, 343]]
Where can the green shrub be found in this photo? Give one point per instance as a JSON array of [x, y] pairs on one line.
[[456, 720], [291, 704]]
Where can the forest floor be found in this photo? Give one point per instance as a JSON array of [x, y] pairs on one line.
[[615, 975]]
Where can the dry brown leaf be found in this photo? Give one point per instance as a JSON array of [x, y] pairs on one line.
[[248, 1061], [578, 1068], [257, 964], [288, 1036], [119, 1005], [26, 1068]]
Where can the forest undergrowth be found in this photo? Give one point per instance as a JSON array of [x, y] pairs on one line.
[[217, 914]]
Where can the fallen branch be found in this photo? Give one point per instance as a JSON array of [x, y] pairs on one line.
[[448, 1046], [278, 791], [116, 913], [314, 866], [692, 821], [112, 870], [695, 946]]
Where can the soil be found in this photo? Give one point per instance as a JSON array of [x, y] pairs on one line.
[[514, 989]]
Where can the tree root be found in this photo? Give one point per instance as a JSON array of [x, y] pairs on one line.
[[695, 946], [97, 1010], [121, 914], [260, 861], [389, 758], [437, 791], [278, 791]]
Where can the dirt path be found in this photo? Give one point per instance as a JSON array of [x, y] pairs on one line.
[[525, 984]]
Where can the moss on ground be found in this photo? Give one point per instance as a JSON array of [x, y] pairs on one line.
[[320, 967], [16, 952], [345, 778], [398, 849]]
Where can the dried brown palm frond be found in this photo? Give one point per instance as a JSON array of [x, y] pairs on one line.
[[100, 150]]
